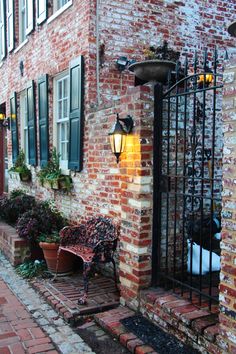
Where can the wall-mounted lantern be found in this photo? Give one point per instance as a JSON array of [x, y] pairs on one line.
[[4, 121], [118, 134], [206, 78]]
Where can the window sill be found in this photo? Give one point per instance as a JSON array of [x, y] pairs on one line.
[[21, 45], [65, 172], [60, 11]]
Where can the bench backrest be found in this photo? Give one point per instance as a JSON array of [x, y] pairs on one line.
[[99, 229]]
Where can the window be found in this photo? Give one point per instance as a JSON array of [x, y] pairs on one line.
[[2, 30], [25, 18], [22, 20], [10, 25], [41, 11], [61, 86], [24, 124], [29, 16], [60, 3]]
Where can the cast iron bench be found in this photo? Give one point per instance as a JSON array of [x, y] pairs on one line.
[[94, 242]]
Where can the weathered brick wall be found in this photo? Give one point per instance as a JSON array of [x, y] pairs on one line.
[[228, 245], [15, 248], [125, 27]]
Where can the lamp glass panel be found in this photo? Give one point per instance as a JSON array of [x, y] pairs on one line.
[[117, 142]]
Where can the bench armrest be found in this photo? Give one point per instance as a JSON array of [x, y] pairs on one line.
[[72, 235]]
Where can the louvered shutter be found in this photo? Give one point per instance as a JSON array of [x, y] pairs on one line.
[[14, 126], [2, 29], [10, 25], [29, 16], [41, 11], [75, 114], [43, 119], [31, 123]]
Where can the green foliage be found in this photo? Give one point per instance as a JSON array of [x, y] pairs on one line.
[[16, 193], [51, 174], [20, 166], [42, 219], [52, 170], [53, 237], [17, 204], [30, 269], [161, 53]]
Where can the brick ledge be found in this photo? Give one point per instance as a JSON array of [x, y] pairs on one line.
[[14, 248]]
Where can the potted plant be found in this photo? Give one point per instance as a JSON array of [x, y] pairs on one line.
[[50, 176], [20, 168], [43, 218], [50, 244], [157, 64]]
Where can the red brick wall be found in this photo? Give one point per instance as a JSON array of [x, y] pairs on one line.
[[228, 245], [124, 27]]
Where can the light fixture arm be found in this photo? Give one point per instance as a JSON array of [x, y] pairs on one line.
[[128, 123]]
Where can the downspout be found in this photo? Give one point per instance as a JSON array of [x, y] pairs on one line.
[[97, 54]]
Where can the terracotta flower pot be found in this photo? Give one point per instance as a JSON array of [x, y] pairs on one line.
[[66, 260]]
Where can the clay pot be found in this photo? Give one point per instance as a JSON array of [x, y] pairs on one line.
[[66, 259]]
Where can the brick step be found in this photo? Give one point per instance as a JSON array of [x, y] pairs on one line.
[[63, 295]]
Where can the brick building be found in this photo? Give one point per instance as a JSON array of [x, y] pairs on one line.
[[61, 87]]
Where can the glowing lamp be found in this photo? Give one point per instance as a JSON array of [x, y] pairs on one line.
[[118, 134]]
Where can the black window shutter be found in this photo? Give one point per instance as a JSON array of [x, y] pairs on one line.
[[43, 119], [76, 113], [31, 124], [14, 126]]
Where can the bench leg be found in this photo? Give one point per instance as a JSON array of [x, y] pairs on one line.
[[57, 264], [86, 270]]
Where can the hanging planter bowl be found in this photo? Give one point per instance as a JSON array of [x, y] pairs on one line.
[[153, 70]]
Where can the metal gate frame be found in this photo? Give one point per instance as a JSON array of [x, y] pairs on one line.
[[159, 183]]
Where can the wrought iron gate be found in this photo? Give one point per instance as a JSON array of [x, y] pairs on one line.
[[188, 148]]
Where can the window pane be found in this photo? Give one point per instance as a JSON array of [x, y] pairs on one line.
[[59, 90], [65, 112], [65, 93], [60, 110]]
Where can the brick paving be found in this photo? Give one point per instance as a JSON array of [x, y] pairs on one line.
[[18, 332], [28, 324]]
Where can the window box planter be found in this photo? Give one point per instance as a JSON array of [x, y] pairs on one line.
[[20, 176], [60, 183]]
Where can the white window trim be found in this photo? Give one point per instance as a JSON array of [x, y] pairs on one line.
[[64, 166], [3, 32], [21, 40], [10, 27], [22, 124], [60, 11], [29, 17], [21, 45], [43, 15]]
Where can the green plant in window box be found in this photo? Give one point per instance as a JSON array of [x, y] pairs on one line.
[[21, 168], [50, 176]]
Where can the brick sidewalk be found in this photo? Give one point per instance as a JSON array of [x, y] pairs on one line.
[[19, 333]]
